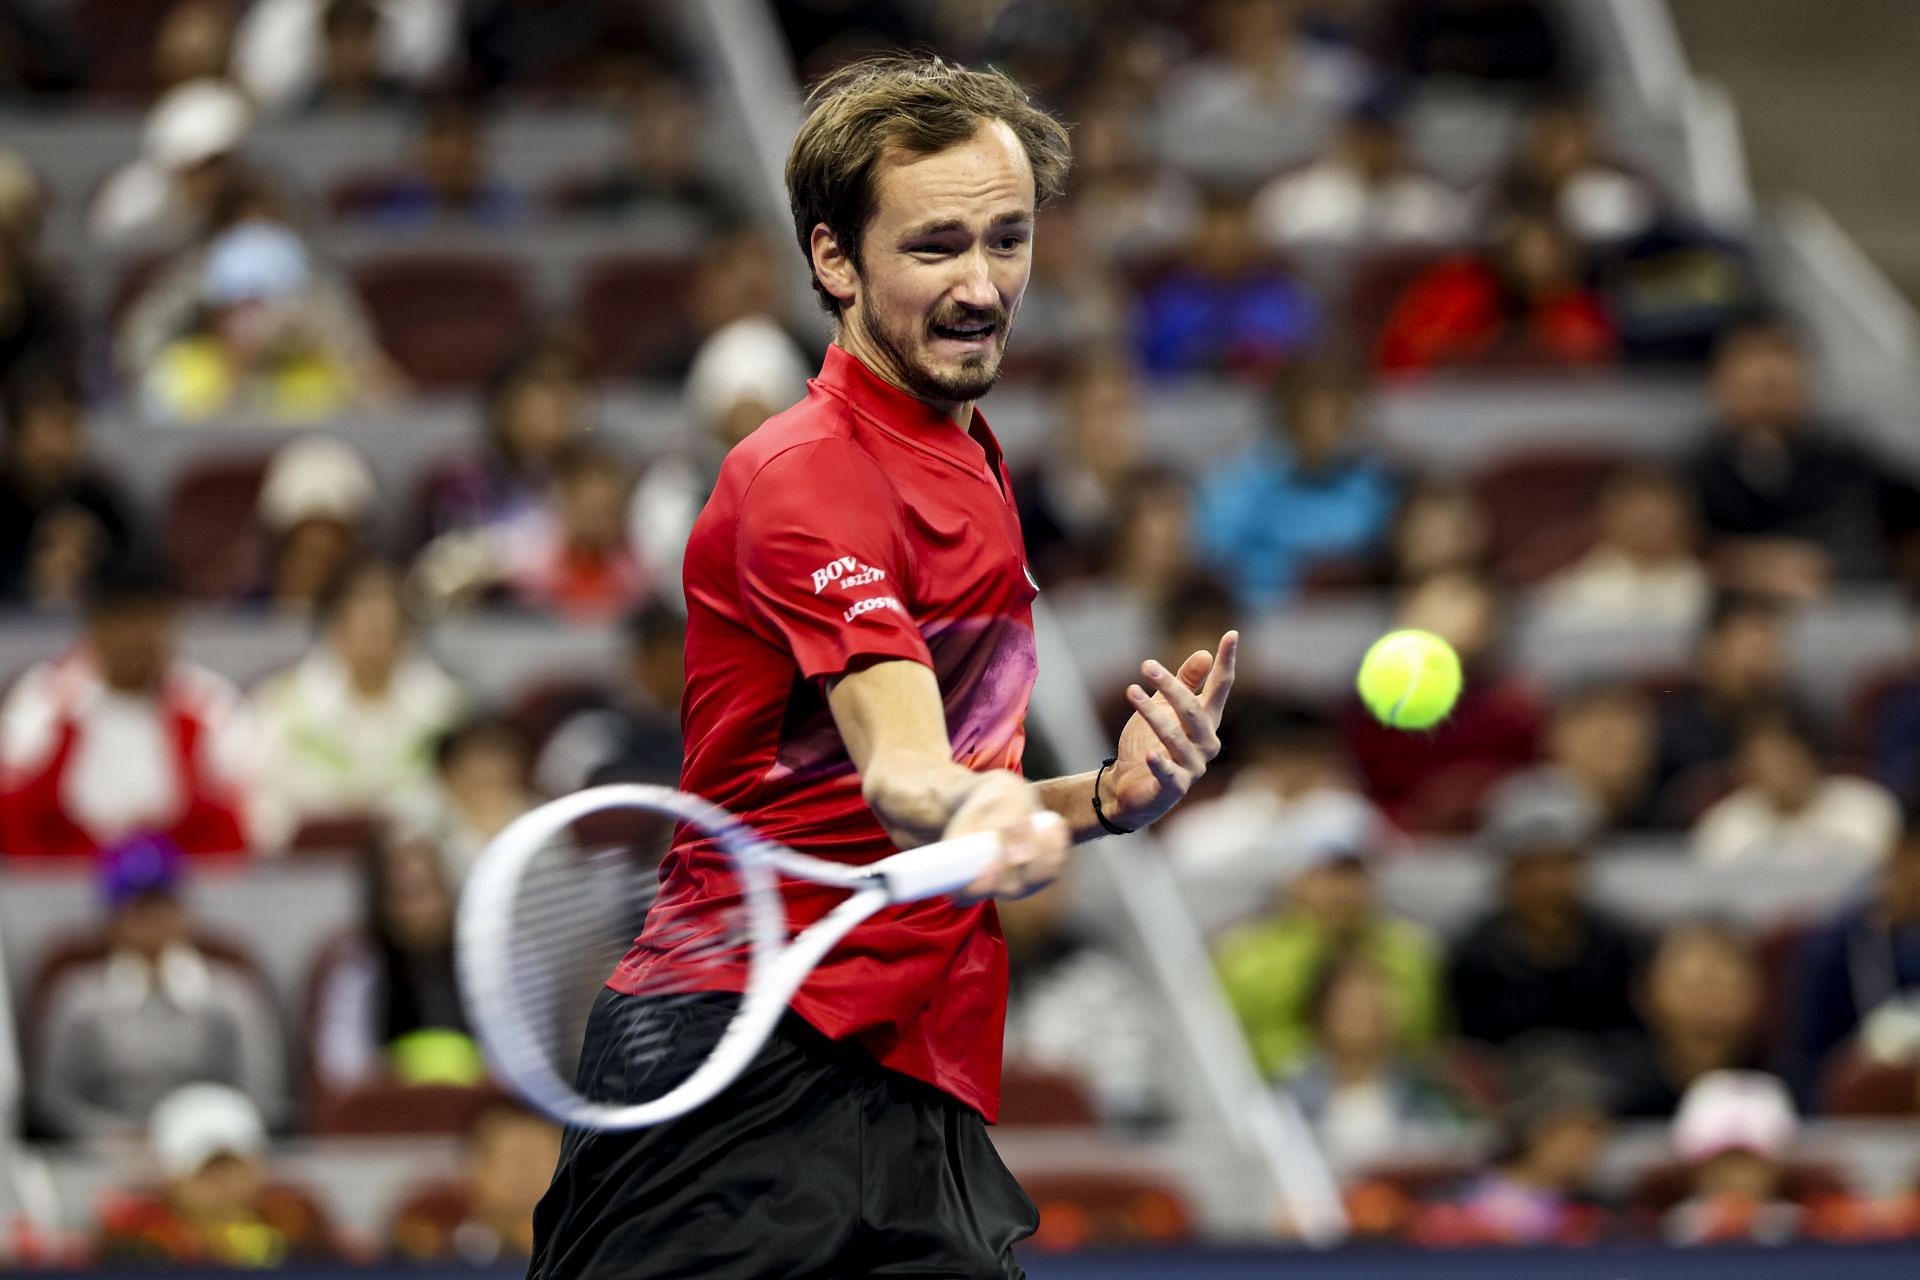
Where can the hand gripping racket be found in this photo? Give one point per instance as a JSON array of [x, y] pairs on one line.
[[559, 895]]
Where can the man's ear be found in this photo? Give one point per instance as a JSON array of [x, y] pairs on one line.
[[832, 267]]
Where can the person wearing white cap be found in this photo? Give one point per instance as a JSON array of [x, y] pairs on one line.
[[741, 376], [1735, 1132], [216, 1205], [315, 501], [187, 163]]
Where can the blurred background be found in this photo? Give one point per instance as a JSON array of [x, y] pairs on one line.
[[363, 364]]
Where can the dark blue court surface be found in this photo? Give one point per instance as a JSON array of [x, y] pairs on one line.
[[1900, 1262]]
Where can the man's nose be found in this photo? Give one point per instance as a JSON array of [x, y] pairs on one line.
[[975, 287]]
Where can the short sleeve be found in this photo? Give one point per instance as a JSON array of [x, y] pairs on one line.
[[823, 562]]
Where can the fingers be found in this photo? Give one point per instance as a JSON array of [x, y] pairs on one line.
[[1220, 678], [1196, 722], [1170, 727]]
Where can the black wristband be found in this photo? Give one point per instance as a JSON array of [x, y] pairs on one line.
[[1112, 827]]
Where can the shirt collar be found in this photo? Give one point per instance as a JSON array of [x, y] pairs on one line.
[[906, 416]]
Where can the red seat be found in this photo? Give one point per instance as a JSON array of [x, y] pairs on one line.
[[214, 542], [1375, 284], [1778, 952], [1037, 1096], [1870, 694], [446, 320], [116, 39], [422, 1227], [1541, 505], [1852, 1086], [1107, 1208], [383, 1108], [634, 312], [336, 833], [540, 708]]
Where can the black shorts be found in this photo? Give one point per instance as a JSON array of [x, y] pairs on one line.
[[816, 1162]]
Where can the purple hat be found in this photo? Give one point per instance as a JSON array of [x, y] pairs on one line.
[[138, 866]]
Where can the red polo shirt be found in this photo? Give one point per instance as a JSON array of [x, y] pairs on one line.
[[861, 523]]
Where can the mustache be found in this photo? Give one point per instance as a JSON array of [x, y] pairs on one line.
[[996, 316]]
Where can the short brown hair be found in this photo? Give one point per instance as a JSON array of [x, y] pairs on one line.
[[921, 104]]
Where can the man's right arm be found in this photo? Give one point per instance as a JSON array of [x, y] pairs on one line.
[[892, 721]]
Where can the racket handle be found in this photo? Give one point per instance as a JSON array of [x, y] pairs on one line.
[[935, 870]]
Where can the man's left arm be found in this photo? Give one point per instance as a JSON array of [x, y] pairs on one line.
[[1164, 749]]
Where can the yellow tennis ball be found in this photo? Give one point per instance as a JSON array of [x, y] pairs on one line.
[[1410, 679]]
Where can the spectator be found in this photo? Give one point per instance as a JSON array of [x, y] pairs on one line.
[[1076, 300], [1676, 289], [552, 44], [573, 558], [1544, 958], [316, 502], [1604, 740], [1150, 555], [1365, 1098], [510, 1155], [218, 1207], [535, 404], [64, 524], [1133, 207], [352, 74], [264, 343], [155, 1012], [36, 53], [1891, 731], [292, 53], [1223, 307], [35, 327], [1074, 1006], [636, 736], [1702, 1001], [119, 736], [1230, 849], [349, 730], [748, 371], [449, 182], [1513, 43], [1643, 569], [1862, 966], [1560, 166], [1364, 192], [1194, 617], [1788, 809], [1739, 669], [1441, 527], [1523, 300], [188, 173], [663, 167], [1268, 967], [1735, 1132], [1070, 498], [480, 785], [193, 41], [1434, 781], [1310, 490], [1256, 77], [735, 278], [386, 1003], [1791, 505], [1540, 1189]]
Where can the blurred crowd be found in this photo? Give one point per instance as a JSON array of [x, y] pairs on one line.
[[1192, 248]]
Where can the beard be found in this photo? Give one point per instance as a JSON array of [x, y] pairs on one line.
[[973, 378]]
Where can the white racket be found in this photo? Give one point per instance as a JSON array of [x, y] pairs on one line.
[[559, 895]]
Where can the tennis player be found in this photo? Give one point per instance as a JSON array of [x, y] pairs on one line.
[[860, 655]]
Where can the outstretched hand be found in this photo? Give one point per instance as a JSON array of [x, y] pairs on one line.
[[1171, 737]]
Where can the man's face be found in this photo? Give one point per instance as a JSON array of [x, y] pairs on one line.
[[1760, 384], [132, 643], [946, 258]]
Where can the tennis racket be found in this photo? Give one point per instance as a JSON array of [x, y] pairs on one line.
[[559, 895]]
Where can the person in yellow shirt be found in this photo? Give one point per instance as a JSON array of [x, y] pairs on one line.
[[256, 349]]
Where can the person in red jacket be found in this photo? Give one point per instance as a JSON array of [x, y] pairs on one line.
[[120, 736], [1520, 301]]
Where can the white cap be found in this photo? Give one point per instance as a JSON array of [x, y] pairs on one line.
[[1735, 1111], [752, 358], [197, 1122], [1327, 826], [196, 121], [316, 478]]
